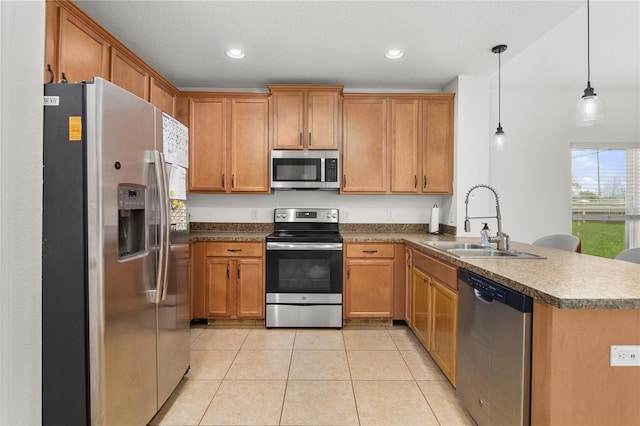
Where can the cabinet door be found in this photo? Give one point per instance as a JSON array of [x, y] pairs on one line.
[[369, 288], [288, 120], [249, 141], [250, 288], [364, 147], [162, 97], [408, 281], [404, 133], [444, 328], [437, 155], [322, 120], [421, 312], [82, 53], [219, 291], [207, 144], [129, 75]]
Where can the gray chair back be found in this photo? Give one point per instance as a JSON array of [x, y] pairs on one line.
[[630, 255], [559, 241]]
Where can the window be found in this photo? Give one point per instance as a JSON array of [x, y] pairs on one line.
[[606, 197]]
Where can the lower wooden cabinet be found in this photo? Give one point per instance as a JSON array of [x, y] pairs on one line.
[[434, 310], [369, 280], [421, 309], [230, 279], [444, 326]]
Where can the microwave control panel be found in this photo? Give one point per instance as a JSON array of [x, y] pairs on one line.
[[331, 170]]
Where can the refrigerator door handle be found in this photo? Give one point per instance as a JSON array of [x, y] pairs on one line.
[[165, 239], [160, 173]]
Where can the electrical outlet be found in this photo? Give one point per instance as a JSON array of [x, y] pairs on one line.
[[254, 214], [389, 215], [625, 356], [344, 215]]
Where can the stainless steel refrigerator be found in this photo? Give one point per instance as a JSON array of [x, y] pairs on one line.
[[115, 314]]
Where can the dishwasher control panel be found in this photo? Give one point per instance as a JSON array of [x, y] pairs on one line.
[[491, 290], [488, 290]]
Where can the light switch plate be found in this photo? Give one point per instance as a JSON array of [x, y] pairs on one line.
[[625, 356]]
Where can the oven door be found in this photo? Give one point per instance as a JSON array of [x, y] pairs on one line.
[[304, 268]]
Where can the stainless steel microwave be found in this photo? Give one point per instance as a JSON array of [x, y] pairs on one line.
[[305, 169]]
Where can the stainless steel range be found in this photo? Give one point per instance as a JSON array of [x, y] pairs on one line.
[[304, 269]]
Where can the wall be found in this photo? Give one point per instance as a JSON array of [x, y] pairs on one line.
[[21, 53], [533, 176], [353, 208]]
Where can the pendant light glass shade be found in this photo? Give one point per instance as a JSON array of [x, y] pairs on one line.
[[589, 111], [499, 138]]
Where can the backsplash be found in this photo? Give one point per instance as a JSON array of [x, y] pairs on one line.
[[409, 228]]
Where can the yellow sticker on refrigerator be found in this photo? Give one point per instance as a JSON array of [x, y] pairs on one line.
[[75, 128]]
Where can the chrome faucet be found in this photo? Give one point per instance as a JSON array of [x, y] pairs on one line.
[[501, 239]]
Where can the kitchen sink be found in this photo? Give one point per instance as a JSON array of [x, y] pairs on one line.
[[478, 251], [453, 245]]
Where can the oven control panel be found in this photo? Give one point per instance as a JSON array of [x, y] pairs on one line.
[[302, 215]]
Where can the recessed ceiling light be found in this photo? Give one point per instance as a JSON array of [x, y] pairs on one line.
[[394, 54], [235, 53]]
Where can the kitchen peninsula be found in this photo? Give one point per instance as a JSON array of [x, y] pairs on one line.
[[582, 305]]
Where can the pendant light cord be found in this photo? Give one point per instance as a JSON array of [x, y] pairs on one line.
[[588, 48], [499, 88]]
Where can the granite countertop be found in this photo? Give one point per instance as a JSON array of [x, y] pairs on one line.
[[563, 279]]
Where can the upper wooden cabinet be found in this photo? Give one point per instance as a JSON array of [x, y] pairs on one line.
[[162, 96], [79, 48], [82, 53], [364, 145], [229, 144], [405, 145], [305, 116], [129, 75], [398, 144], [437, 144]]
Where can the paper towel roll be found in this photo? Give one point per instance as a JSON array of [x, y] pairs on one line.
[[434, 223]]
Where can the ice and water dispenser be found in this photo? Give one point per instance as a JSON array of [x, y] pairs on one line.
[[131, 221]]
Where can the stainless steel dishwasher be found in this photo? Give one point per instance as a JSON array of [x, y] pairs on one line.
[[494, 351]]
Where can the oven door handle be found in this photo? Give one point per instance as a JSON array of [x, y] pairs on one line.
[[303, 246]]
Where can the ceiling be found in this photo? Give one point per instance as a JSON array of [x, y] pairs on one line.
[[330, 42]]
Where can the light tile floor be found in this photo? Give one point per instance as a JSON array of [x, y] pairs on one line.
[[354, 376]]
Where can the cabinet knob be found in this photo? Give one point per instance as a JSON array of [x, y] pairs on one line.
[[309, 138], [300, 138], [238, 271], [369, 251]]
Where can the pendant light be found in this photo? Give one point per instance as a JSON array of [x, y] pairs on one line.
[[589, 111], [499, 139]]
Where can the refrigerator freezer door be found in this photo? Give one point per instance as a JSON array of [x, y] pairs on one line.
[[122, 309]]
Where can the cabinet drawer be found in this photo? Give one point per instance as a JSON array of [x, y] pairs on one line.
[[233, 249], [443, 272], [370, 250]]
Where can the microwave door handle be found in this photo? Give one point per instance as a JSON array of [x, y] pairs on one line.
[[322, 169]]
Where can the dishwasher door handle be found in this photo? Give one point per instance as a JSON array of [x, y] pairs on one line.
[[482, 296]]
